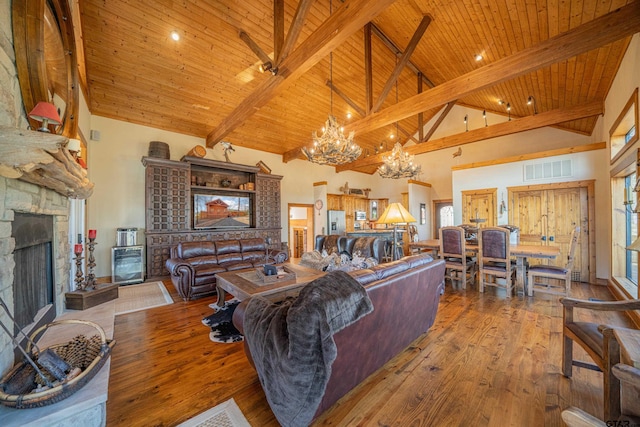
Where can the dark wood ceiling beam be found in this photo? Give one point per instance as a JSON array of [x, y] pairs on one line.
[[420, 114], [304, 6], [402, 62], [548, 118], [408, 134], [438, 121], [262, 56], [348, 19], [346, 98], [278, 28], [621, 23], [396, 51], [368, 69]]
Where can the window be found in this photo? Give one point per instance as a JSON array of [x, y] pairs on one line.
[[623, 132], [443, 214], [631, 229]]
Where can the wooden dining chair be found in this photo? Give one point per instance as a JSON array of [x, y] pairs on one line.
[[545, 278], [629, 377], [599, 343], [459, 266], [494, 259]]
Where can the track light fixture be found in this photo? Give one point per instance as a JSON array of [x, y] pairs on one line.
[[509, 110], [532, 100], [484, 115], [466, 123]]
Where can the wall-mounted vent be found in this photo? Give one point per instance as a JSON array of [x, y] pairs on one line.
[[557, 169]]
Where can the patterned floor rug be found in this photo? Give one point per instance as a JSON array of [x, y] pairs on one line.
[[222, 329], [226, 414], [141, 297]]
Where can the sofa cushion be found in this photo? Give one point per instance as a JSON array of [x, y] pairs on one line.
[[224, 247], [238, 266], [389, 269], [203, 262], [253, 245], [188, 250], [207, 275], [256, 257], [230, 258]]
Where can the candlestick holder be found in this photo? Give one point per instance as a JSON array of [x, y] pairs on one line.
[[91, 263], [80, 284]]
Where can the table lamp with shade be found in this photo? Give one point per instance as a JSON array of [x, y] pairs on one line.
[[395, 214], [47, 113]]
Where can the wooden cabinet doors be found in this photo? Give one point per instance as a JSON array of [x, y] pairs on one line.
[[546, 216], [480, 204]]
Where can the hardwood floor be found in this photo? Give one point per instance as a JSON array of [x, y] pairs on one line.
[[487, 361]]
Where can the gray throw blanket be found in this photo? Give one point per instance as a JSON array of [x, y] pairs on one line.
[[292, 342]]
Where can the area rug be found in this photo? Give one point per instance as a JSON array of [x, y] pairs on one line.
[[141, 297], [222, 329], [226, 414]]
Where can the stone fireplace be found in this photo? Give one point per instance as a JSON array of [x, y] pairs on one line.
[[40, 207]]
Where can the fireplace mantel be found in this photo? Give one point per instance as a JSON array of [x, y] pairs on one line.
[[40, 158]]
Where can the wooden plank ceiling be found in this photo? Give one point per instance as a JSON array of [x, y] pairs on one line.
[[208, 83]]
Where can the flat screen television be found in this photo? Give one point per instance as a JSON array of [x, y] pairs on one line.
[[221, 210]]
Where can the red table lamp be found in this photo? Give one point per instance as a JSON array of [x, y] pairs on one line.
[[46, 113]]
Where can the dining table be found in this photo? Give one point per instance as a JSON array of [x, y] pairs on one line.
[[520, 252]]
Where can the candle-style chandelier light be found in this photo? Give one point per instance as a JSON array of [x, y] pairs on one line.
[[399, 164], [332, 147]]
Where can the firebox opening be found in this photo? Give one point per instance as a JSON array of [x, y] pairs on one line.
[[33, 284]]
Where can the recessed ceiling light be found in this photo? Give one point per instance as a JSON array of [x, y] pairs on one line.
[[175, 35], [478, 57], [348, 114]]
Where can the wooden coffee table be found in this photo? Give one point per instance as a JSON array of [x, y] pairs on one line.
[[242, 285]]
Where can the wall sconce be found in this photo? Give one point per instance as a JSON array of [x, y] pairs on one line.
[[466, 122], [484, 115], [509, 110], [46, 113], [532, 100]]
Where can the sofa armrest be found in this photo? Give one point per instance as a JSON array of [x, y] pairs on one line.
[[183, 276]]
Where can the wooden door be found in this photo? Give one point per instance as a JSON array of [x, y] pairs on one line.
[[480, 204], [298, 242], [547, 217]]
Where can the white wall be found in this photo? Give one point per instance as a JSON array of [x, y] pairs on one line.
[[625, 82], [585, 166]]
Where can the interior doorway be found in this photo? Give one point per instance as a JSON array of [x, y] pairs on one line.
[[300, 228]]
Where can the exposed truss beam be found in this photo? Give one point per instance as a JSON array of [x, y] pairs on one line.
[[368, 69], [396, 51], [304, 6], [548, 118], [601, 31], [346, 99], [262, 56], [402, 62], [278, 28], [438, 121], [348, 19]]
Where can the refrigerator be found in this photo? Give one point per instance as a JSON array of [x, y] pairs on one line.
[[336, 222]]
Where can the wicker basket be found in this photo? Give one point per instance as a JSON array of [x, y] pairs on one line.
[[88, 354]]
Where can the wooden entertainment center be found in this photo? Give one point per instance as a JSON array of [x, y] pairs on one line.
[[170, 187]]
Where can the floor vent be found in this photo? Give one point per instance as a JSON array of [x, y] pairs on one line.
[[556, 169]]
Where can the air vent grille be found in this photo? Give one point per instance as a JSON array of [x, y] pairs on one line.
[[546, 170]]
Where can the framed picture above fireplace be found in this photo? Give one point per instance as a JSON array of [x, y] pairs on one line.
[[222, 210]]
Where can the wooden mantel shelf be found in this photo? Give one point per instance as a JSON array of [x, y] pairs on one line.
[[40, 158]]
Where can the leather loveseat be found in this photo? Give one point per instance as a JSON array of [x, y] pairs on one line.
[[366, 246], [405, 296], [193, 265]]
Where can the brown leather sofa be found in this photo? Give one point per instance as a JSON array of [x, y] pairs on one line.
[[193, 265], [405, 296], [366, 246]]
